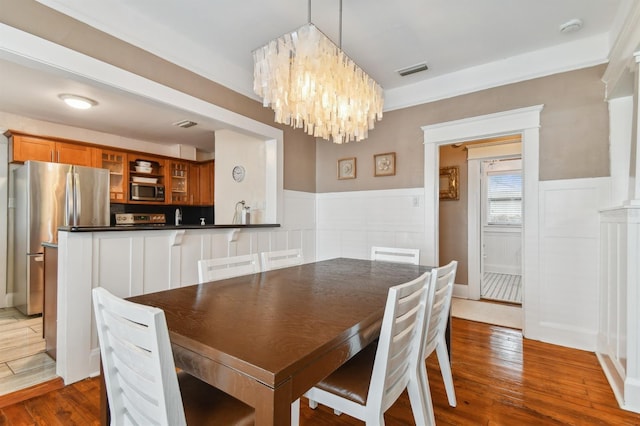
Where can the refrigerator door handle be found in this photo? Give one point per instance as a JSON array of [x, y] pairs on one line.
[[77, 210], [68, 200]]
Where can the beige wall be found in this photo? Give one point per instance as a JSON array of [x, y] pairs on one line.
[[454, 221], [574, 134], [32, 17]]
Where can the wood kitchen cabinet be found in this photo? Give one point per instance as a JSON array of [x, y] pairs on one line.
[[201, 177], [116, 163], [25, 147], [157, 176], [180, 189]]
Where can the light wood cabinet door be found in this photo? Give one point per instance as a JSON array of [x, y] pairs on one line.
[[201, 177], [69, 153], [206, 188], [194, 184], [26, 148], [179, 183], [31, 148], [116, 163]]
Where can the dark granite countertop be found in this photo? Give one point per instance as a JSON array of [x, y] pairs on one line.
[[160, 227]]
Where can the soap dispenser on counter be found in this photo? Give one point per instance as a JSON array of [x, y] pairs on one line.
[[178, 217]]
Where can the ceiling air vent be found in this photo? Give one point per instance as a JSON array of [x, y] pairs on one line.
[[412, 70], [185, 124]]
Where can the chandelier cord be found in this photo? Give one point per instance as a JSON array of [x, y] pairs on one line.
[[340, 29], [309, 13]]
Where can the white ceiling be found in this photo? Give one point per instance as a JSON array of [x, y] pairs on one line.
[[467, 44]]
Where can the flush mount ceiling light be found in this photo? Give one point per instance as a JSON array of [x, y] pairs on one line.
[[78, 102], [311, 83], [571, 26]]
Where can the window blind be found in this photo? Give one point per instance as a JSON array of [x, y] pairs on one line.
[[504, 198]]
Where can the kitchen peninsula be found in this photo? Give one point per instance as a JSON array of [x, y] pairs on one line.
[[130, 261]]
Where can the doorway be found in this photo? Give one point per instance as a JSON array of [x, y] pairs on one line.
[[500, 215], [523, 121]]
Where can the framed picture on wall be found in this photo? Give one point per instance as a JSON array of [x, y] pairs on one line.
[[384, 164], [347, 168], [449, 183]]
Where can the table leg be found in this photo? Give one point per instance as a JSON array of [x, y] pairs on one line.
[[273, 406]]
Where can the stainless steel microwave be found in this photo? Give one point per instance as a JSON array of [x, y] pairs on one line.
[[146, 192]]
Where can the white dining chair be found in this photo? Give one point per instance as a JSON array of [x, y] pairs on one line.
[[435, 339], [370, 382], [140, 376], [281, 259], [395, 254], [227, 267]]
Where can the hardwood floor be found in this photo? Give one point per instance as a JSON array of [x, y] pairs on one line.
[[500, 379]]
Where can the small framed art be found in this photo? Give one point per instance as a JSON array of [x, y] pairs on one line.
[[449, 183], [384, 164], [347, 168]]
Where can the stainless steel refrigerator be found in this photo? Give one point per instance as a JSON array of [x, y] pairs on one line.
[[47, 196]]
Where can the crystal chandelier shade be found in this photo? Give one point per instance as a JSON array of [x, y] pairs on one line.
[[312, 84]]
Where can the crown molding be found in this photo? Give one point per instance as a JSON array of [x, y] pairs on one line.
[[618, 75]]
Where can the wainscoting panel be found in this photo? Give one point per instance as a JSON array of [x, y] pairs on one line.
[[566, 299], [502, 250], [619, 329], [349, 223]]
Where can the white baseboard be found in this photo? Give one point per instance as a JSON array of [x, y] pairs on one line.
[[9, 300], [461, 291]]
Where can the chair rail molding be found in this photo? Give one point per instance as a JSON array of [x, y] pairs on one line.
[[617, 76]]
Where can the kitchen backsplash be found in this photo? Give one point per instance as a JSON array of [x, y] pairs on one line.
[[190, 214]]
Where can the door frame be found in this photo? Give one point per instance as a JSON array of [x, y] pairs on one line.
[[525, 121], [475, 219]]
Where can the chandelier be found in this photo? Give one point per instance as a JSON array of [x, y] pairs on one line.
[[311, 83]]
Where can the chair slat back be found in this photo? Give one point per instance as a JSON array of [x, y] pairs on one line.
[[440, 306], [400, 339], [281, 259], [227, 267], [397, 255], [137, 361]]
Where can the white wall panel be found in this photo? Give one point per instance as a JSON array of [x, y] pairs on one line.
[[619, 323], [502, 250], [349, 223], [567, 294], [114, 271], [157, 263]]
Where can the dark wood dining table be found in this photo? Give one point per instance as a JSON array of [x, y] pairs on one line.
[[267, 338]]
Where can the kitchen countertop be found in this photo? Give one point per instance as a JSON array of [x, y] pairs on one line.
[[160, 227]]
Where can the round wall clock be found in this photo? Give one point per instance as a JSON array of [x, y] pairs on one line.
[[238, 173]]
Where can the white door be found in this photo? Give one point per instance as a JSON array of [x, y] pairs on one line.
[[501, 230]]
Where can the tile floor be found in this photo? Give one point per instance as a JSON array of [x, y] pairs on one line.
[[23, 362]]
